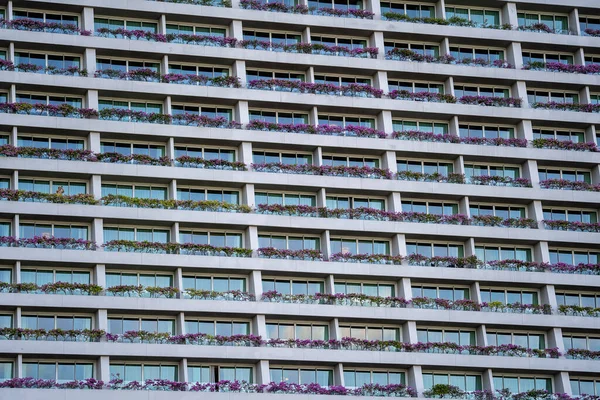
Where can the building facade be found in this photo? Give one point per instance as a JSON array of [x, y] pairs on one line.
[[381, 198]]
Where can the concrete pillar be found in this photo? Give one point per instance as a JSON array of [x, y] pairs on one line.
[[98, 232], [248, 195], [415, 378], [574, 22], [162, 24], [449, 86], [255, 286], [440, 9], [183, 370], [100, 275], [338, 375], [579, 56], [530, 171], [514, 54], [469, 247], [263, 375], [15, 226], [241, 112], [309, 75], [103, 368], [384, 122], [548, 296], [474, 292], [174, 233], [89, 61], [525, 130], [445, 46], [235, 30], [463, 206], [17, 275], [19, 363], [318, 156], [584, 95], [519, 90], [172, 189], [394, 202], [245, 154], [96, 186], [170, 148], [380, 81], [509, 14], [251, 237], [178, 281], [562, 383], [18, 315], [405, 288], [14, 136], [14, 180], [487, 381], [541, 253], [388, 161], [91, 99], [454, 125], [10, 55], [334, 329], [102, 319], [12, 94], [325, 245], [375, 7], [306, 35], [376, 40], [590, 134], [239, 70], [330, 284], [87, 19], [94, 142], [555, 339], [322, 197], [180, 322], [409, 332], [459, 165], [481, 336], [596, 174], [259, 325], [399, 245], [167, 105], [164, 65], [9, 10]]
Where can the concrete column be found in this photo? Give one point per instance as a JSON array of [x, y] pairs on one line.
[[12, 94], [375, 7], [235, 30], [525, 130], [14, 136], [178, 281], [596, 174], [388, 161], [380, 81], [17, 275], [509, 14], [103, 368], [96, 186], [174, 233], [463, 206], [102, 319], [14, 180], [310, 75], [172, 189], [255, 286], [87, 19], [313, 116], [239, 69], [562, 383], [481, 335], [334, 329], [18, 315], [330, 284], [322, 197], [248, 195], [445, 46], [409, 332], [449, 86], [183, 370], [15, 226], [167, 105], [376, 40], [459, 165], [590, 134], [579, 56], [241, 112], [474, 292], [555, 339], [394, 202], [530, 171], [162, 24], [9, 10], [94, 142], [180, 322], [318, 157], [98, 232], [399, 245], [338, 375], [514, 54], [91, 99], [170, 148], [306, 35], [487, 380], [100, 275], [263, 375], [454, 125], [584, 95], [574, 22], [384, 122], [440, 9], [414, 379], [251, 237], [325, 244], [19, 361], [404, 288], [259, 325], [164, 65], [89, 61], [548, 296], [519, 90], [541, 253], [245, 154], [469, 247]]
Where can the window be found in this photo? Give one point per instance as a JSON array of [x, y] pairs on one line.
[[509, 296], [523, 339], [59, 371], [206, 373], [473, 170], [543, 96], [369, 289], [493, 253], [130, 372], [5, 229], [580, 386], [176, 29], [42, 276], [255, 74], [279, 117], [562, 135], [301, 331], [214, 283], [336, 4], [49, 322], [147, 26], [568, 175], [578, 299], [259, 157], [152, 150], [589, 60], [470, 53], [351, 43], [6, 275], [451, 293], [206, 153], [125, 65], [42, 16], [218, 239], [439, 128], [209, 71], [117, 278], [416, 87], [412, 10], [595, 98], [3, 138], [288, 199], [69, 188], [6, 367], [504, 212], [289, 242], [589, 23], [359, 246], [481, 17], [425, 167], [346, 203], [424, 49], [198, 194], [519, 384], [31, 230], [146, 107], [120, 325], [579, 341], [430, 207], [529, 57], [343, 121], [293, 286], [341, 80], [137, 234], [349, 161], [49, 99], [464, 381], [368, 332], [461, 90], [138, 192], [276, 38], [206, 111], [558, 23], [50, 142], [435, 249], [483, 131], [570, 215], [462, 337], [50, 61], [574, 256], [323, 377], [222, 328], [359, 377], [4, 183]]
